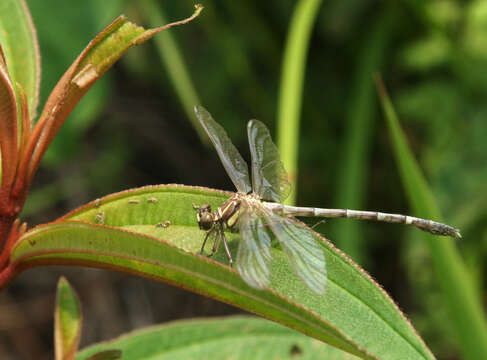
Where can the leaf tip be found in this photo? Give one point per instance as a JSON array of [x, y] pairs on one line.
[[198, 8], [67, 321], [62, 282]]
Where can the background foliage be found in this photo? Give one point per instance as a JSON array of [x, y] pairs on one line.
[[134, 128]]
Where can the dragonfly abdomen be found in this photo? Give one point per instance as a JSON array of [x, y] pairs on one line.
[[430, 226]]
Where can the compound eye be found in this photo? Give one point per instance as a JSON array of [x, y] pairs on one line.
[[206, 208]]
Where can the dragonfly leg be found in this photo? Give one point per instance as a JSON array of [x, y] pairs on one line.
[[227, 250], [208, 233], [322, 221], [217, 241]]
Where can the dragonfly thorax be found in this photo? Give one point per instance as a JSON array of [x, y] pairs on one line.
[[229, 212]]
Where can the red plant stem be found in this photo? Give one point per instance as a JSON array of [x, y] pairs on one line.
[[11, 237], [4, 256], [7, 275], [6, 222]]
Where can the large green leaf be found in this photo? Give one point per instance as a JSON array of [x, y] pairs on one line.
[[220, 338], [19, 43], [355, 314]]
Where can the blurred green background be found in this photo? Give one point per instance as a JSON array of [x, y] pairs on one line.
[[135, 127]]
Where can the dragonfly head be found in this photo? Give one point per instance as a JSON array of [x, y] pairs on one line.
[[205, 217]]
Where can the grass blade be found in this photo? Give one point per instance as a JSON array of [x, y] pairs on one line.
[[292, 79], [464, 306], [177, 70]]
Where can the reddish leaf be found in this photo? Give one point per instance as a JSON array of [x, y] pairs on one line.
[[100, 54], [8, 129]]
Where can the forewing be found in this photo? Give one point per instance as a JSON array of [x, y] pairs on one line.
[[269, 178], [254, 250], [231, 159], [303, 249]]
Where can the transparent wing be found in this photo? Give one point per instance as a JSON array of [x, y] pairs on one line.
[[254, 250], [303, 249], [231, 159], [269, 178]]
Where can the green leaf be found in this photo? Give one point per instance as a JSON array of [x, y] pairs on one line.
[[355, 315], [235, 337], [19, 42], [67, 318], [465, 308]]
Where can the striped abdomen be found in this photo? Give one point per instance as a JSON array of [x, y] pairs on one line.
[[430, 226]]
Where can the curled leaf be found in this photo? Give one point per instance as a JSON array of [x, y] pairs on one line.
[[100, 54]]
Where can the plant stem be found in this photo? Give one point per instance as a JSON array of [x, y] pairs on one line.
[[7, 275], [5, 226], [10, 234]]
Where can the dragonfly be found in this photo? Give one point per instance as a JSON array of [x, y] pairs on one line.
[[256, 209]]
